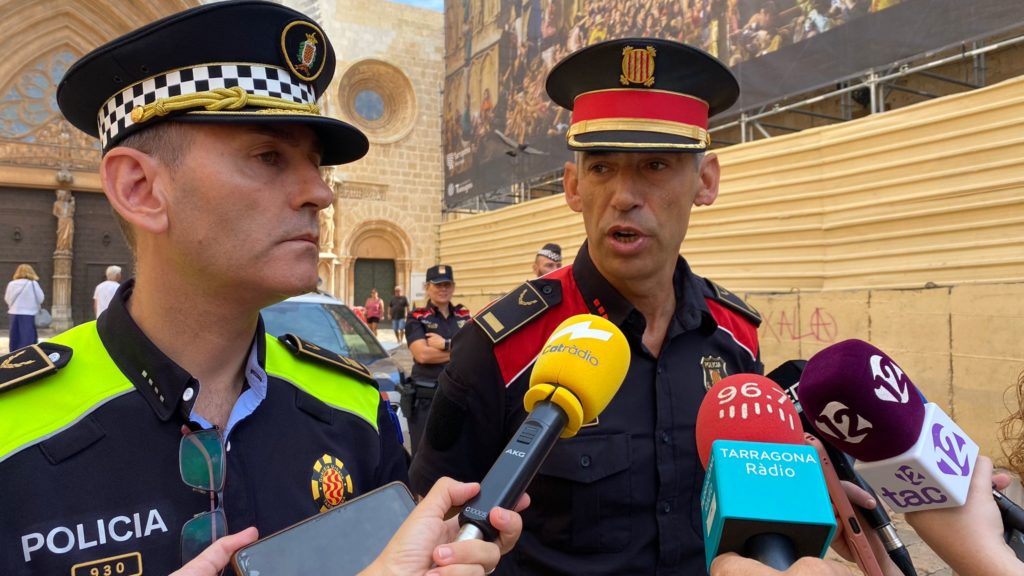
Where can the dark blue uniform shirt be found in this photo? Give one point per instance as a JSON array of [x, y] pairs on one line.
[[622, 496], [105, 493], [429, 320]]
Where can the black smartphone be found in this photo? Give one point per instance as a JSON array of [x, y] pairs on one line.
[[343, 540]]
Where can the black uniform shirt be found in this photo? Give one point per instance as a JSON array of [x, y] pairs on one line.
[[429, 320], [623, 496], [106, 488]]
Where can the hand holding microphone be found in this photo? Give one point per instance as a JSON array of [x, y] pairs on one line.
[[578, 371], [764, 494]]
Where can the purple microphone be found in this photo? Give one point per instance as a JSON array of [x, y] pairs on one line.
[[863, 403]]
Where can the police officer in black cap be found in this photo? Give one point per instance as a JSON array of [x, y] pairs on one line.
[[138, 439], [548, 259], [429, 331], [623, 495]]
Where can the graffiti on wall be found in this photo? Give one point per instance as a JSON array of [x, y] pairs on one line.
[[793, 324]]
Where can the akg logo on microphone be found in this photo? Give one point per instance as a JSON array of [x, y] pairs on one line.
[[949, 451], [839, 421], [907, 474], [893, 385]]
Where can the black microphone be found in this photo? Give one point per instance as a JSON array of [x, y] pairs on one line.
[[578, 371], [787, 375]]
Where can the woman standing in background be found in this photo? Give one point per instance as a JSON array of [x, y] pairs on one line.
[[24, 297], [374, 309]]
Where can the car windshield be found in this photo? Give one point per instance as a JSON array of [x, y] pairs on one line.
[[331, 326]]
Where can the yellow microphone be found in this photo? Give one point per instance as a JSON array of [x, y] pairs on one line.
[[575, 376]]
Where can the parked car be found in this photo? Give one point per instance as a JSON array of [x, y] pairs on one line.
[[329, 323]]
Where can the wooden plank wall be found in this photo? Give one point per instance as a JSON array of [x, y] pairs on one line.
[[905, 229]]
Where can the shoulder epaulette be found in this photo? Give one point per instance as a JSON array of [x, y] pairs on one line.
[[517, 308], [734, 302], [31, 363], [420, 312], [309, 351]]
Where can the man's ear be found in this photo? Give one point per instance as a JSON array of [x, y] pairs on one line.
[[570, 183], [134, 184], [708, 174]]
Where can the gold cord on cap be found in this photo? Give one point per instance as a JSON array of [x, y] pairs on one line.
[[219, 99]]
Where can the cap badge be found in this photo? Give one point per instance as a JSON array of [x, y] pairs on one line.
[[300, 43], [638, 66], [442, 270]]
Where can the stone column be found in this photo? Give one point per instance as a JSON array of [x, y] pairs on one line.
[[64, 211]]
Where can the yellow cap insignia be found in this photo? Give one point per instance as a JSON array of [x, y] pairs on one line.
[[638, 66]]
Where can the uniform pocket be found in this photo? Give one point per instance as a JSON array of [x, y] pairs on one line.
[[582, 495]]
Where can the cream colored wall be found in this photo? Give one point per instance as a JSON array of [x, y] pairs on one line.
[[962, 345], [835, 233], [406, 166]]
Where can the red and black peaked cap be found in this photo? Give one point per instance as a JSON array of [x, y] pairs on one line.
[[245, 61], [641, 94]]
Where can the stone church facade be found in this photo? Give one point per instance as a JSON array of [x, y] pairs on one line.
[[382, 228]]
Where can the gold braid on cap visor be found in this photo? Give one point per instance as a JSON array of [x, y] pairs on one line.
[[219, 100], [638, 125]]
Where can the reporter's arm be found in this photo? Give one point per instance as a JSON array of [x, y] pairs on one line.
[[731, 564], [969, 538], [216, 557], [426, 538]]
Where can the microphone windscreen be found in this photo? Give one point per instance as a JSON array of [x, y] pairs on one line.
[[586, 355], [746, 407], [861, 401]]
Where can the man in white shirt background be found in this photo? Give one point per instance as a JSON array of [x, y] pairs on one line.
[[105, 290]]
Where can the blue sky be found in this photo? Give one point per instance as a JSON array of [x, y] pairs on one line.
[[437, 5]]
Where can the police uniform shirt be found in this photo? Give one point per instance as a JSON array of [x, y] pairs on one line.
[[429, 320], [623, 496], [100, 492]]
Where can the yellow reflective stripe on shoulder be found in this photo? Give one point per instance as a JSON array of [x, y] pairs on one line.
[[331, 387], [38, 410]]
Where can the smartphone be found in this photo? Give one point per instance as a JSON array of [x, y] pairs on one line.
[[343, 540]]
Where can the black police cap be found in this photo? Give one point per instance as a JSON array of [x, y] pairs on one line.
[[440, 273], [637, 94], [243, 61]]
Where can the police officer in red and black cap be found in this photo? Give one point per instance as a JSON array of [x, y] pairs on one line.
[[137, 440], [623, 495], [429, 330]]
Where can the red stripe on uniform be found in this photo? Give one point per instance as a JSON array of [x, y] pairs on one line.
[[641, 104], [741, 330], [516, 352]]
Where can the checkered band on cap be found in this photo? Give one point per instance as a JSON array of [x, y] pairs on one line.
[[256, 79]]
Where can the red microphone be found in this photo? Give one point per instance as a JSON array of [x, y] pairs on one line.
[[746, 407]]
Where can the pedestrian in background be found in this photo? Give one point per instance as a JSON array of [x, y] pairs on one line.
[[398, 306], [374, 310], [24, 297], [105, 290]]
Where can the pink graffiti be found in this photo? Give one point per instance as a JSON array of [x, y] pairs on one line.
[[782, 325]]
